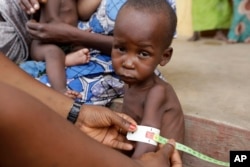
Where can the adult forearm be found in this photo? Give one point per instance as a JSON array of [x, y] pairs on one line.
[[91, 40], [64, 33], [46, 138], [12, 75]]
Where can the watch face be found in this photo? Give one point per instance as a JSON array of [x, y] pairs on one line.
[[74, 112]]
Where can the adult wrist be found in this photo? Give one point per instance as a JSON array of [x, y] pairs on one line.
[[74, 112]]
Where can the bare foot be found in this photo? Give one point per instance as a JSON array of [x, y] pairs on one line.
[[220, 36], [81, 56], [195, 37], [73, 94], [231, 41]]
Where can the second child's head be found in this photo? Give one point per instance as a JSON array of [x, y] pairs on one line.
[[143, 33]]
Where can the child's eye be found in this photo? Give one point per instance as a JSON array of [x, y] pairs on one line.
[[121, 49], [144, 54]]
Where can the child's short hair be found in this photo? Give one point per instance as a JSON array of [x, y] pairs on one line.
[[161, 7]]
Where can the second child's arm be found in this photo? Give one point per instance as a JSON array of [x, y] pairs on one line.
[[86, 8]]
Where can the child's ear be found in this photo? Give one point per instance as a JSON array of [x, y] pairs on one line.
[[166, 56]]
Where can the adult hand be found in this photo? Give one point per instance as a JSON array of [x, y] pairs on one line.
[[53, 32], [105, 126], [64, 33], [31, 6], [167, 155]]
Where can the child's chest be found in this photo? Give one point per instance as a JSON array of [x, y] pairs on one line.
[[133, 105]]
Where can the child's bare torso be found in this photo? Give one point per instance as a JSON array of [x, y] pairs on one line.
[[136, 97], [59, 11]]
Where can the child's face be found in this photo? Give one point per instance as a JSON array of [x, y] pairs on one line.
[[138, 47]]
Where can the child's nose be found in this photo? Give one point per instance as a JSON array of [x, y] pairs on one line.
[[128, 63]]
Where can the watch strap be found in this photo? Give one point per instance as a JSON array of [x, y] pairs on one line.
[[74, 112]]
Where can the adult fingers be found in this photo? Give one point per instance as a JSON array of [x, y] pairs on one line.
[[169, 152], [34, 27], [121, 143], [176, 159], [125, 123], [29, 6], [168, 149]]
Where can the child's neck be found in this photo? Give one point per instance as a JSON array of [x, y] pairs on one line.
[[147, 83]]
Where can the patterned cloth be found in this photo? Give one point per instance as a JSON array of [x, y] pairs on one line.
[[240, 28], [104, 19], [14, 40], [96, 80]]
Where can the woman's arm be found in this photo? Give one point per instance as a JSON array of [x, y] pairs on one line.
[[65, 33], [106, 130], [12, 75], [33, 135]]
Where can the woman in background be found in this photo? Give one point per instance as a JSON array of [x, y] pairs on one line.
[[211, 15]]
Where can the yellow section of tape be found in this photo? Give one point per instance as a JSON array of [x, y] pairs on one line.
[[189, 150]]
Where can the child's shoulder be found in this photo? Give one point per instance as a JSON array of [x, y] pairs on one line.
[[162, 87], [162, 84]]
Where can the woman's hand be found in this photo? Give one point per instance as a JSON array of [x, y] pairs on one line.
[[31, 6], [167, 156], [106, 126], [53, 32]]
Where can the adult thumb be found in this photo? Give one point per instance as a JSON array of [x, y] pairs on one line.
[[172, 154], [168, 149]]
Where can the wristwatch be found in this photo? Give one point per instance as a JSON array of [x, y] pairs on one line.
[[74, 112]]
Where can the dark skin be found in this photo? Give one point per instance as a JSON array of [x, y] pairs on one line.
[[61, 104], [172, 126], [53, 12], [86, 8], [64, 33], [136, 53], [34, 131]]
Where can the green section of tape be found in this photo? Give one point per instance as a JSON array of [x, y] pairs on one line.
[[189, 150]]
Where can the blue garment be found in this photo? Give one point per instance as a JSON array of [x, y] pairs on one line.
[[104, 19], [96, 80], [34, 68]]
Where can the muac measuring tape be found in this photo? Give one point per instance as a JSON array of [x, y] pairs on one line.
[[152, 136]]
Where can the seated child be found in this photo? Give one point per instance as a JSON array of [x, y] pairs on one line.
[[54, 54], [143, 33]]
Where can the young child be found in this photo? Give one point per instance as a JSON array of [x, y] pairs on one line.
[[54, 54], [143, 33]]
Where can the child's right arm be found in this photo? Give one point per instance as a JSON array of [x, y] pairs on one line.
[[86, 8]]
